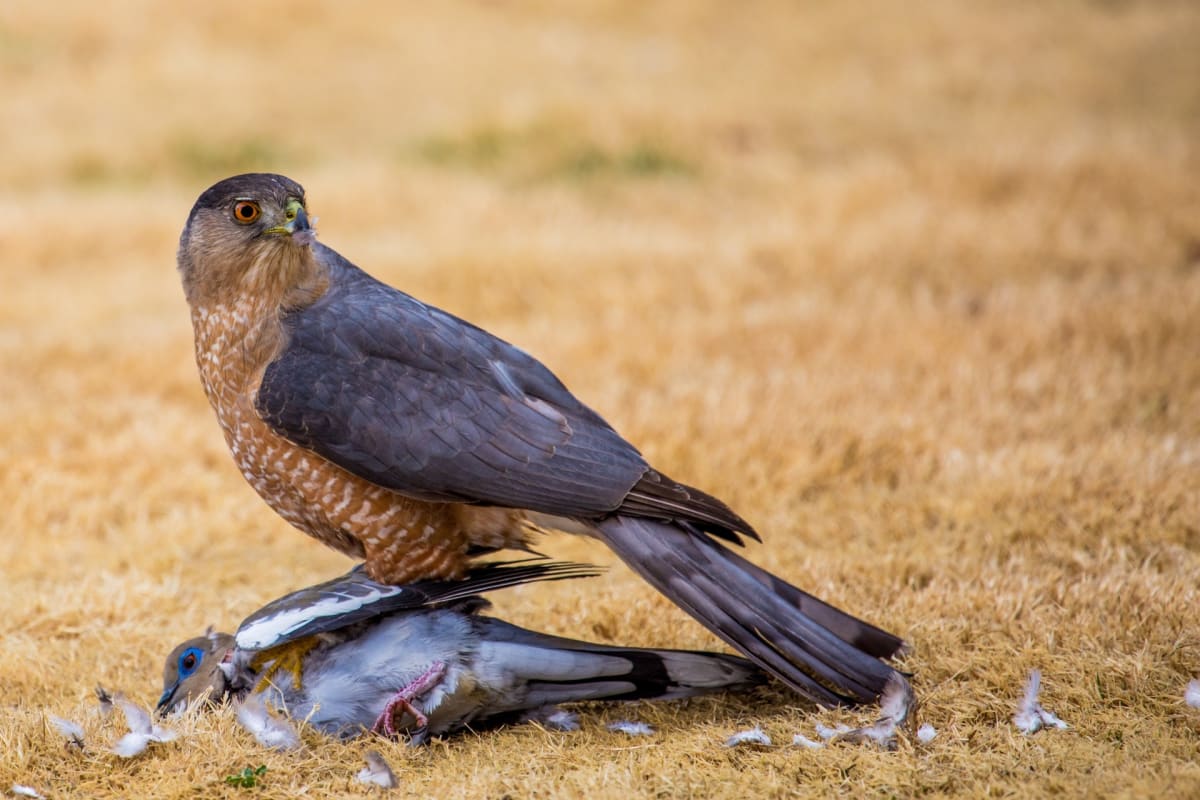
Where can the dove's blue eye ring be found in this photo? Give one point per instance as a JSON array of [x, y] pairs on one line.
[[188, 660]]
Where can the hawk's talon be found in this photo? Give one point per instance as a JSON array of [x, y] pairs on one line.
[[288, 657]]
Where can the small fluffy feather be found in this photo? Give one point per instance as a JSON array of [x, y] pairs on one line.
[[1191, 695], [73, 731], [142, 730], [267, 729], [631, 728], [895, 705], [555, 719], [755, 735], [104, 702], [377, 772], [800, 740], [1031, 717], [827, 733]]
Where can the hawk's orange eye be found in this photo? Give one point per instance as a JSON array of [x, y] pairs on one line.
[[245, 211]]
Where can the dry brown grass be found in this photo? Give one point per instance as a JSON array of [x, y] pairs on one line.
[[917, 291]]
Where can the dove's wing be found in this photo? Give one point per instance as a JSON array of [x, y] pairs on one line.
[[354, 597]]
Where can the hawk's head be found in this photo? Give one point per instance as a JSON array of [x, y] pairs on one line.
[[248, 233]]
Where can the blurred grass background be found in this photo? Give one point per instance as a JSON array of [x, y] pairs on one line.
[[915, 287]]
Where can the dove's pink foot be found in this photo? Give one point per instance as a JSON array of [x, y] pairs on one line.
[[402, 701]]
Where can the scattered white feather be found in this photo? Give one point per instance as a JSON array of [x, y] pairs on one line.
[[558, 720], [926, 733], [1191, 695], [104, 702], [755, 735], [269, 730], [827, 733], [71, 731], [800, 740], [132, 744], [897, 700], [896, 706], [22, 790], [1052, 720], [882, 733], [142, 730], [377, 772], [1028, 719], [631, 728], [1031, 717]]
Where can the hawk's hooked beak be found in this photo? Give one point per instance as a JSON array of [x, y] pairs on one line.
[[296, 225]]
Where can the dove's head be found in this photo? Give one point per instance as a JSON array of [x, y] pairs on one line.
[[194, 670]]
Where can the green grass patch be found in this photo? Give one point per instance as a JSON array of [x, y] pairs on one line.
[[550, 151]]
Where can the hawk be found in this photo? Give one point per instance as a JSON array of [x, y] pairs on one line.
[[398, 433]]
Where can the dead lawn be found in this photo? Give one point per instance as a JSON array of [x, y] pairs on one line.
[[917, 291]]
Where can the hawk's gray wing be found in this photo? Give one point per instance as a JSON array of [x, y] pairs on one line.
[[354, 597], [415, 399]]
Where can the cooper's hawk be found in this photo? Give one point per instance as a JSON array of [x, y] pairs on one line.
[[391, 430], [421, 660]]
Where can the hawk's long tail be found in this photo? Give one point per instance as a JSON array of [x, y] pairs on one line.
[[818, 650]]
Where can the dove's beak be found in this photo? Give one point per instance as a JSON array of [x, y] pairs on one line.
[[164, 702]]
